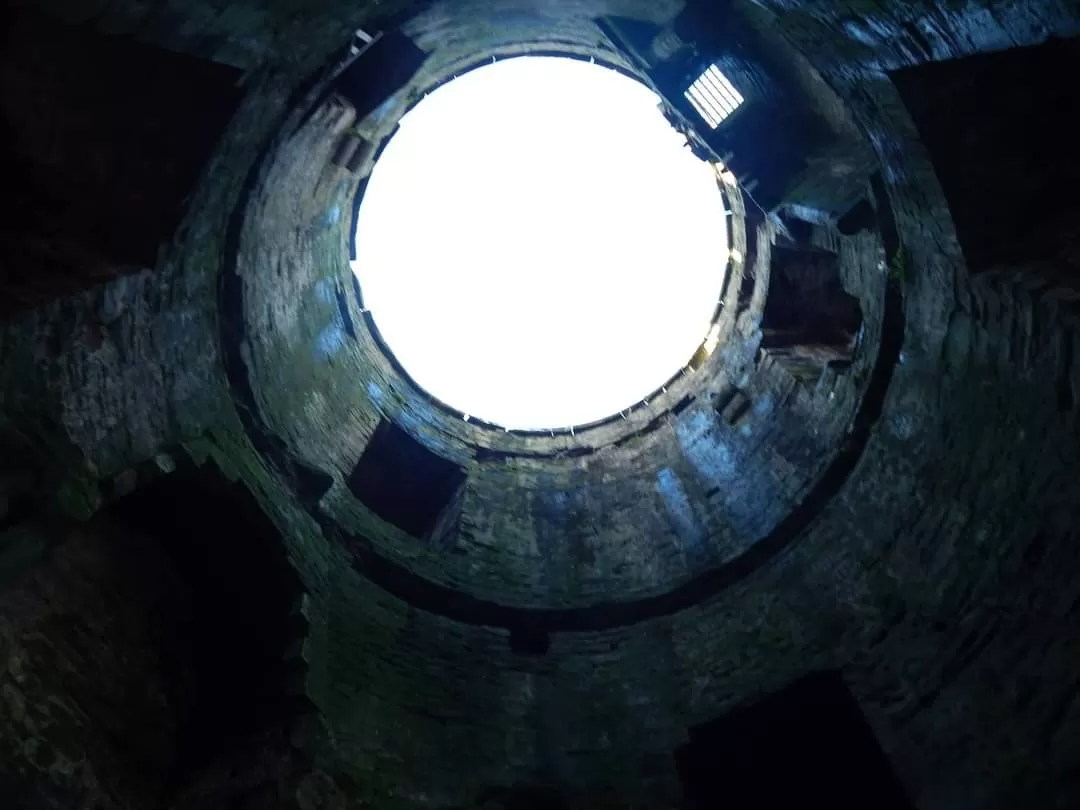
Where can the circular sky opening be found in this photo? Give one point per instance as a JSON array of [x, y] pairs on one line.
[[537, 245]]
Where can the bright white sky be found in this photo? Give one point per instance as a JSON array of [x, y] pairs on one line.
[[538, 247]]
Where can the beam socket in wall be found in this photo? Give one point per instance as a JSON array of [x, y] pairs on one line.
[[529, 641], [345, 149], [364, 149], [734, 407]]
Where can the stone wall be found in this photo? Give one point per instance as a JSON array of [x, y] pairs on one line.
[[85, 714], [100, 151], [940, 578], [137, 670]]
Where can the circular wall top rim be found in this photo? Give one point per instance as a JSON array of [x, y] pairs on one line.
[[684, 382]]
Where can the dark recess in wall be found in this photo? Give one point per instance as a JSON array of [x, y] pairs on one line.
[[1066, 391], [806, 745], [225, 650], [799, 232], [529, 640], [379, 72], [403, 482], [682, 405], [809, 320], [310, 483], [860, 217], [732, 405], [522, 797], [15, 511], [99, 150], [1000, 129]]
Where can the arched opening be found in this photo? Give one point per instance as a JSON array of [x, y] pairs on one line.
[[226, 646]]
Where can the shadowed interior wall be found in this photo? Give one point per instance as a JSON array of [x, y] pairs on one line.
[[999, 130], [102, 140], [85, 713], [152, 657], [907, 522]]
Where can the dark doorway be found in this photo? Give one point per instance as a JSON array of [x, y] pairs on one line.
[[806, 745]]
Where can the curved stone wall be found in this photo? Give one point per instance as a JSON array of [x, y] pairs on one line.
[[630, 508], [929, 555]]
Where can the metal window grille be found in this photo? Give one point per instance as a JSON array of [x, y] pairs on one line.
[[713, 96]]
